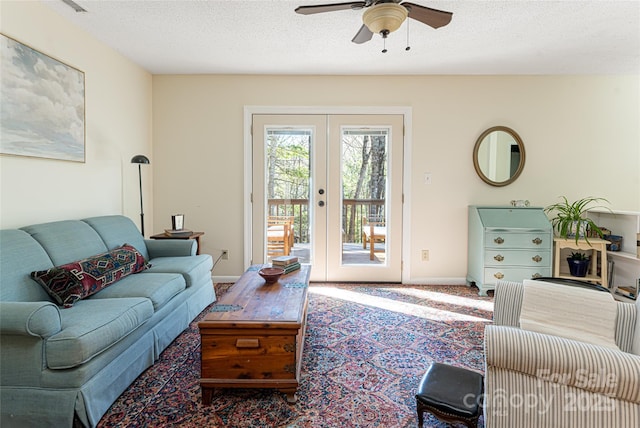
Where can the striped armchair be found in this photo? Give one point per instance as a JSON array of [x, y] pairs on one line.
[[539, 380]]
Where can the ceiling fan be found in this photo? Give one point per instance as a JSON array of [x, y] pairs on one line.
[[383, 16]]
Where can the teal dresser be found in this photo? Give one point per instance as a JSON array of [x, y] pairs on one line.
[[506, 243]]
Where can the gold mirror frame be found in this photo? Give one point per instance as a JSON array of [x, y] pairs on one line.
[[476, 150]]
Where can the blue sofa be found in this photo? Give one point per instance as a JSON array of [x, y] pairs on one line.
[[61, 366]]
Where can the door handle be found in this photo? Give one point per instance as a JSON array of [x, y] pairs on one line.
[[321, 191], [321, 203]]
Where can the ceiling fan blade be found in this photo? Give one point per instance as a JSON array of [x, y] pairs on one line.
[[363, 35], [320, 8], [432, 17]]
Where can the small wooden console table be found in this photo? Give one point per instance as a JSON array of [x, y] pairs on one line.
[[254, 336], [194, 235], [596, 246]]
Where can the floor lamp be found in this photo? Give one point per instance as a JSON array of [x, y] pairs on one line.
[[140, 159]]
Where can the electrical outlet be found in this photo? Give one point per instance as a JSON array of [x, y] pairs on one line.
[[225, 254], [425, 255]]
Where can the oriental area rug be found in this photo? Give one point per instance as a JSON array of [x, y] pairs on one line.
[[366, 349]]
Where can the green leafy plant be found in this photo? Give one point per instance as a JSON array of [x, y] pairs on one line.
[[571, 217], [578, 256]]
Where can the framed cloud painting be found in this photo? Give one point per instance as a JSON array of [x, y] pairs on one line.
[[42, 108]]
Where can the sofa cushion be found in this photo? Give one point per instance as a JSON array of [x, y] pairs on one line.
[[68, 240], [157, 287], [116, 229], [74, 281], [92, 326], [193, 268], [574, 313], [20, 255]]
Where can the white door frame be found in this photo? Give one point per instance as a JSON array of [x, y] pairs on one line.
[[249, 111]]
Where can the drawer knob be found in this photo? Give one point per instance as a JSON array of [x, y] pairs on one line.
[[498, 258], [537, 241], [536, 275], [536, 259], [498, 240], [498, 275]]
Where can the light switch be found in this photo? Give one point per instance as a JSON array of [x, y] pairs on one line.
[[427, 178]]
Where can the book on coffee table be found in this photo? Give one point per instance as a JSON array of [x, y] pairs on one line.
[[291, 267], [283, 261]]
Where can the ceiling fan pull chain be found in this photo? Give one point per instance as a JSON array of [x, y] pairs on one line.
[[384, 34]]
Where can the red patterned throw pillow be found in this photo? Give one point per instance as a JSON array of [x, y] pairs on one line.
[[74, 281]]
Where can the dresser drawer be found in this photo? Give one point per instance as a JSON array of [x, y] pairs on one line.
[[492, 275], [527, 258], [517, 240]]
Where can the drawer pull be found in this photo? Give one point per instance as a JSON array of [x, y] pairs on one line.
[[536, 275], [498, 240], [537, 241], [247, 343], [498, 258], [498, 275], [536, 259]]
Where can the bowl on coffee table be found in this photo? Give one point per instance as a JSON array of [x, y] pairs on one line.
[[271, 274]]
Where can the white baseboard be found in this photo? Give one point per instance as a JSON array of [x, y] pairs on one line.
[[436, 281]]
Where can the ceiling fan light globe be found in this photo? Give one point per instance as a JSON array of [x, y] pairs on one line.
[[384, 16]]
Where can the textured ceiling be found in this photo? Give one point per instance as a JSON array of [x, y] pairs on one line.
[[268, 37]]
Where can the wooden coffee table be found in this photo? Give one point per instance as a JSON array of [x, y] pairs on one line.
[[254, 335]]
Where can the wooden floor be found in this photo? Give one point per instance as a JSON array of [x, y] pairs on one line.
[[351, 254]]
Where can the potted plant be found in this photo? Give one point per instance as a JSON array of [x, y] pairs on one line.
[[578, 264], [571, 218]]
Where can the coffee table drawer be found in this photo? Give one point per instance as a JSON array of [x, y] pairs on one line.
[[249, 357]]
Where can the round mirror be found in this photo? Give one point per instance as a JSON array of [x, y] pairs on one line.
[[498, 156]]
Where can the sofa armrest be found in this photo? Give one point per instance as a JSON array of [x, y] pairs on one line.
[[507, 303], [29, 319], [592, 368], [171, 247]]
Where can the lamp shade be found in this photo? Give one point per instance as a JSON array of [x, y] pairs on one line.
[[140, 159], [384, 17]]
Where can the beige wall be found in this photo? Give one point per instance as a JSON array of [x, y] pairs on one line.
[[118, 126], [581, 136]]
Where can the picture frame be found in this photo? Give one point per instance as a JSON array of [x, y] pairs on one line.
[[43, 105], [177, 222]]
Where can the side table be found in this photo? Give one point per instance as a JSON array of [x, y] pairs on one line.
[[596, 246], [194, 235]]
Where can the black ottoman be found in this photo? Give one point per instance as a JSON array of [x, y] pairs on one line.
[[451, 394]]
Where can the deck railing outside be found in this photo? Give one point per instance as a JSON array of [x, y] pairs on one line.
[[353, 210]]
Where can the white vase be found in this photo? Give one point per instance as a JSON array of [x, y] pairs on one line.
[[581, 233]]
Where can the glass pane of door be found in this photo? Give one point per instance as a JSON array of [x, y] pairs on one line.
[[364, 189], [288, 174]]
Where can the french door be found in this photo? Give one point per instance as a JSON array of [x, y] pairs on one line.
[[336, 182]]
